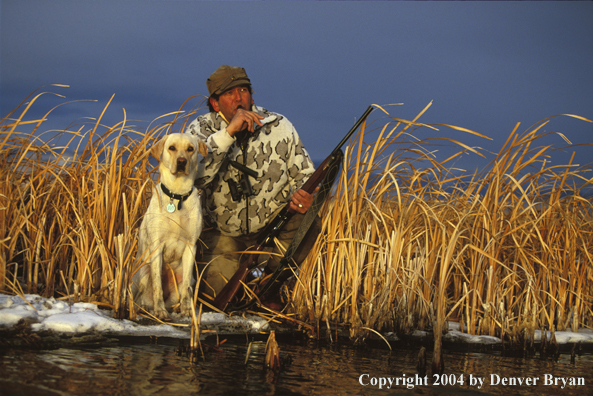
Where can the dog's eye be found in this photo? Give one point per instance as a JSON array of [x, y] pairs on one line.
[[190, 149], [172, 148]]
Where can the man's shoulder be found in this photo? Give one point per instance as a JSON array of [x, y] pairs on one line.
[[206, 123], [207, 117]]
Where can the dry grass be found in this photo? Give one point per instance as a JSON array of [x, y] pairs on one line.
[[68, 225], [407, 243], [407, 248]]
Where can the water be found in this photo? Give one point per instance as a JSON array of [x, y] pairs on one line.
[[141, 367]]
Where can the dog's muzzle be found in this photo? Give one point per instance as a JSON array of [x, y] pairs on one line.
[[181, 164]]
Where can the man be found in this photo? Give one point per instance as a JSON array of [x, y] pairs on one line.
[[256, 165]]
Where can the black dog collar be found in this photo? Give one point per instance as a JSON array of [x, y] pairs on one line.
[[181, 198]]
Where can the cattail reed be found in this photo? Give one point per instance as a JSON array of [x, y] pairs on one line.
[[407, 244]]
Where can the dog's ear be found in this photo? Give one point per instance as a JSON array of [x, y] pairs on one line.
[[157, 150], [203, 148]]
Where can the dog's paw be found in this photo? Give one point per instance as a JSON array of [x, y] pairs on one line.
[[161, 312], [185, 309]]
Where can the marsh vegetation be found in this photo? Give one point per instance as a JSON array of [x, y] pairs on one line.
[[407, 243]]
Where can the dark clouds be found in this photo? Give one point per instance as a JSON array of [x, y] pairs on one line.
[[486, 65]]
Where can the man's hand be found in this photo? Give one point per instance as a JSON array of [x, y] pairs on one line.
[[243, 119], [301, 200]]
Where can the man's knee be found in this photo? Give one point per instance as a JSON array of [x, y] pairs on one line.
[[219, 270]]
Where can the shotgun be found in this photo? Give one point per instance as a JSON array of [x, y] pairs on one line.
[[272, 230]]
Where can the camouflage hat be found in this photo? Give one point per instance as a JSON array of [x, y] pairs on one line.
[[225, 78]]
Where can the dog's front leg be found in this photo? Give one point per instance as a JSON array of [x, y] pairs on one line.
[[187, 260], [156, 268]]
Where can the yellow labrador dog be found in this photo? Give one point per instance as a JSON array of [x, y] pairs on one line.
[[170, 229]]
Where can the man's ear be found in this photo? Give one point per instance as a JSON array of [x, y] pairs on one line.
[[214, 104], [157, 150]]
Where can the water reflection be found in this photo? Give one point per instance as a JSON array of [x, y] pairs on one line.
[[143, 368]]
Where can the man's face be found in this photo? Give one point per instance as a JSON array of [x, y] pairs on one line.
[[229, 101]]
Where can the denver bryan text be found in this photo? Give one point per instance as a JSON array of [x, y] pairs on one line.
[[547, 380]]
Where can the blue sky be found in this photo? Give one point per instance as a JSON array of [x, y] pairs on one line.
[[485, 65]]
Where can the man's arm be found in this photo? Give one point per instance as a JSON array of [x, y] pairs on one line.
[[300, 169], [209, 129]]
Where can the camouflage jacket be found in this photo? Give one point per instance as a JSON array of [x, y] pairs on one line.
[[274, 151]]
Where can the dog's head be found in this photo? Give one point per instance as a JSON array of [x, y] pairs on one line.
[[178, 154]]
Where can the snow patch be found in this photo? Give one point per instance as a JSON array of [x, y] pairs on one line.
[[64, 317]]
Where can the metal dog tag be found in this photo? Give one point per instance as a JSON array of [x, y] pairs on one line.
[[171, 207]]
